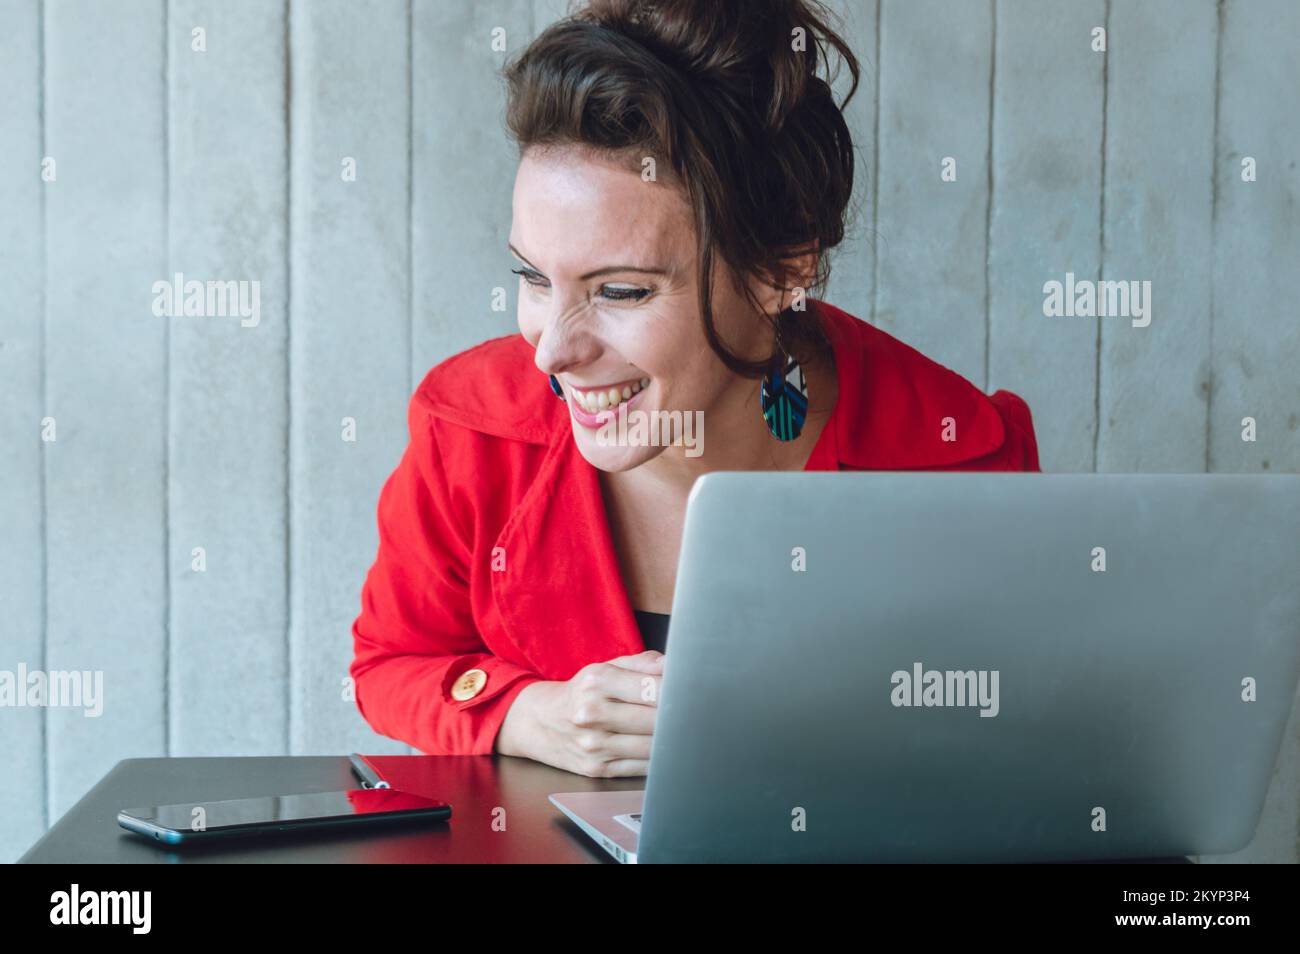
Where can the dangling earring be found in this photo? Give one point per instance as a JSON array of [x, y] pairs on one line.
[[783, 397], [555, 386]]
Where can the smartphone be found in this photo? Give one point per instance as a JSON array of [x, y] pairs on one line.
[[191, 822]]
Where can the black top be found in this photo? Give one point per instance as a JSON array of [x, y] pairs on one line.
[[654, 628]]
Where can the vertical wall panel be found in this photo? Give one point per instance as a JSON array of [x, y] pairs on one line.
[[853, 264], [105, 488], [350, 335], [1046, 218], [1160, 129], [935, 71], [1256, 325], [1256, 331], [227, 425], [462, 176], [22, 557]]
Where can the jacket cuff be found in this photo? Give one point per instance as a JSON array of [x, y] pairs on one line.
[[494, 682]]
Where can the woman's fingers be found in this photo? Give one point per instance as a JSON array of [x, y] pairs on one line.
[[626, 767], [650, 662], [620, 717], [607, 681], [608, 716], [611, 746]]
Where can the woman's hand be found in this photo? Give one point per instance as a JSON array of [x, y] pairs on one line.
[[598, 723]]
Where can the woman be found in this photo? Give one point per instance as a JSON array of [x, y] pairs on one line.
[[684, 173]]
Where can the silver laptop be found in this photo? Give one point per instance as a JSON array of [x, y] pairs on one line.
[[910, 667]]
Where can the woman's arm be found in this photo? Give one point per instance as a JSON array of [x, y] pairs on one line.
[[1021, 448], [416, 636]]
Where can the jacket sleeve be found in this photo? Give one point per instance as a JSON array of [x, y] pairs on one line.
[[416, 634], [1022, 448]]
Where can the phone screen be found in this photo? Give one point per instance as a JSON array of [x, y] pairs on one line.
[[270, 809]]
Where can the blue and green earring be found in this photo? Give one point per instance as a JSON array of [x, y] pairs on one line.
[[555, 386], [783, 398]]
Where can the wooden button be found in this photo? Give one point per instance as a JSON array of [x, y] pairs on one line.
[[469, 685]]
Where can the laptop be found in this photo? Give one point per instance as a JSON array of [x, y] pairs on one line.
[[968, 667]]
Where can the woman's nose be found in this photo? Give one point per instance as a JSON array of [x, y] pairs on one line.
[[566, 339]]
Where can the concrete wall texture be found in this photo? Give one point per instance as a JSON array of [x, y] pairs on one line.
[[129, 155]]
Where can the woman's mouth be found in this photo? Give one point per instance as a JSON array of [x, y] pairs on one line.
[[592, 406]]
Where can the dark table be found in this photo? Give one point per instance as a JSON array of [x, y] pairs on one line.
[[475, 785]]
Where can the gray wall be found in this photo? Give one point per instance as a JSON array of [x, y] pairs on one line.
[[176, 433]]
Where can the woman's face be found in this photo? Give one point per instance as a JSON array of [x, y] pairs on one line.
[[608, 296]]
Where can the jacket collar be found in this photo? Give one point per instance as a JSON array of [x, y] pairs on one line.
[[894, 402]]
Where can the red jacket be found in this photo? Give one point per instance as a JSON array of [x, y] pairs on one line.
[[492, 464]]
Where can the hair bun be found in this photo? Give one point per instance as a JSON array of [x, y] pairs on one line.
[[764, 55]]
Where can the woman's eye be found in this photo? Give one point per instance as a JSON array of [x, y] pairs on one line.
[[624, 294], [608, 292], [531, 278]]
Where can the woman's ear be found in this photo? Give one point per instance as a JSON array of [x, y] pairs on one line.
[[801, 273], [805, 268]]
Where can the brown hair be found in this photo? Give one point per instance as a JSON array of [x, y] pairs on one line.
[[745, 122]]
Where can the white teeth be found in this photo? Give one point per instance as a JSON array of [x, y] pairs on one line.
[[594, 401]]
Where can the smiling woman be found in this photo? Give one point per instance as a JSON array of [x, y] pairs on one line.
[[684, 173]]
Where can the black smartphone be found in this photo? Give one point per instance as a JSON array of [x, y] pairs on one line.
[[190, 822]]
